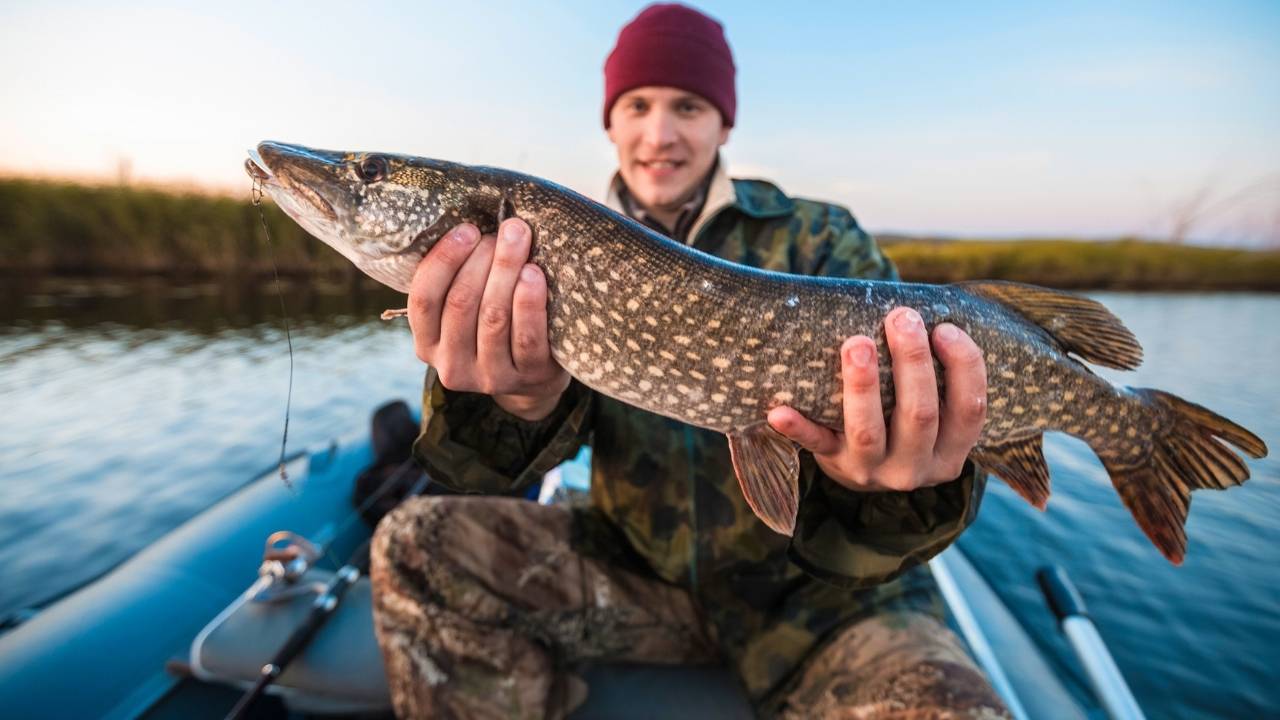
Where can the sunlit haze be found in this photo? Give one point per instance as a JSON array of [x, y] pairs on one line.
[[995, 119]]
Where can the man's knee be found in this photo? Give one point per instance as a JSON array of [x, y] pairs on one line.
[[403, 540], [908, 661]]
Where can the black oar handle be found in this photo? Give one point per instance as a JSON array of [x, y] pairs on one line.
[[1064, 599]]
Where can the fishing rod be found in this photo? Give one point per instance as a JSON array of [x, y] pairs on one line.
[[322, 608]]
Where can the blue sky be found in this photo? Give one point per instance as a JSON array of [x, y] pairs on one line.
[[1094, 119]]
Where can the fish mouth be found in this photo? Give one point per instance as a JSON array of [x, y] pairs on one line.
[[291, 171], [256, 166]]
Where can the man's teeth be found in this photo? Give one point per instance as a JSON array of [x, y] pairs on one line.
[[661, 164]]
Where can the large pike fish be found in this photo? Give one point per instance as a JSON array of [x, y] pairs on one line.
[[683, 334]]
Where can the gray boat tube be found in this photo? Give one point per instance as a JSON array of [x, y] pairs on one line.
[[1104, 675], [942, 568]]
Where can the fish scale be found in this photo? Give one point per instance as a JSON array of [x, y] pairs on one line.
[[672, 330]]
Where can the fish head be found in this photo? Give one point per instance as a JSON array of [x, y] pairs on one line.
[[383, 212]]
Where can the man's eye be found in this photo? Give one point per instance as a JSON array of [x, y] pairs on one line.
[[687, 108], [639, 106]]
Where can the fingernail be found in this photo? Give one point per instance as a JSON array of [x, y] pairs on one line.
[[466, 235], [512, 232], [529, 273], [947, 332], [907, 320], [859, 355]]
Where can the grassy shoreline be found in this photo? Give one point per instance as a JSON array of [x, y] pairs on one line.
[[65, 228]]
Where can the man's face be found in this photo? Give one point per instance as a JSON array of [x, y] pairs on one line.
[[667, 140]]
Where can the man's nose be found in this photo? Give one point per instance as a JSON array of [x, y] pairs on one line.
[[660, 128]]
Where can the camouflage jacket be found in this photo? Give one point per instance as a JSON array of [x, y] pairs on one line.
[[664, 495]]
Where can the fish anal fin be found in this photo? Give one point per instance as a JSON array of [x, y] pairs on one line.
[[1081, 325], [767, 464], [1020, 463]]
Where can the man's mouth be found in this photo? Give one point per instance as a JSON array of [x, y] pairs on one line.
[[660, 167]]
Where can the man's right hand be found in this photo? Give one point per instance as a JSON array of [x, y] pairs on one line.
[[478, 311]]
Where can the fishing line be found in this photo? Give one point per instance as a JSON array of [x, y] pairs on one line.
[[255, 196]]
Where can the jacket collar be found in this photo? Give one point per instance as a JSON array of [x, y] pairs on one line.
[[755, 198]]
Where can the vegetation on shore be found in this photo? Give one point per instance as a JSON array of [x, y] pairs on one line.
[[1125, 264], [69, 228]]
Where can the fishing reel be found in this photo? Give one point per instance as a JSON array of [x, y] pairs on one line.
[[285, 560]]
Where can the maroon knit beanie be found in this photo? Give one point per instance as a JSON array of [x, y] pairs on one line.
[[672, 46]]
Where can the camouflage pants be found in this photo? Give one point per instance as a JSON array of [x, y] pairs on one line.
[[481, 605]]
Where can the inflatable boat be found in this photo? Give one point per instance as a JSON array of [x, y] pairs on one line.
[[184, 628]]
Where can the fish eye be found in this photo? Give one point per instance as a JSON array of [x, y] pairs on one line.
[[372, 169]]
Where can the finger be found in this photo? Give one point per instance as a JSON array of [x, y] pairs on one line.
[[530, 350], [965, 408], [493, 335], [803, 431], [431, 282], [461, 306], [864, 431], [914, 426]]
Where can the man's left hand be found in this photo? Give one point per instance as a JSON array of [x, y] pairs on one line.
[[924, 444]]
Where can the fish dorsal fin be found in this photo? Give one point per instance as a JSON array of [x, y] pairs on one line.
[[1082, 326], [768, 468], [1020, 463]]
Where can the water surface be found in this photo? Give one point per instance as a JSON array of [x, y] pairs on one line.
[[129, 407]]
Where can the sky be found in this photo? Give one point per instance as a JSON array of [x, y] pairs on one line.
[[970, 119]]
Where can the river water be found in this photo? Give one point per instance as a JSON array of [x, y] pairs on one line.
[[127, 407]]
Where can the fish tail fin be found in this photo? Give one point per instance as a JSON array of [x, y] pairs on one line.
[[1189, 452], [1080, 325]]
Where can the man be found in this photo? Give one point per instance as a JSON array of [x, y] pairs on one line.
[[484, 606]]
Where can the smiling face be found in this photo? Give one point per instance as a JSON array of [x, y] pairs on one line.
[[666, 140]]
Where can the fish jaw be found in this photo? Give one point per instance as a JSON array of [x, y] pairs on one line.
[[382, 226]]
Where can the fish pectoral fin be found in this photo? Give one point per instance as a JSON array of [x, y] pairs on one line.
[[767, 464], [1020, 463], [1079, 324], [506, 209]]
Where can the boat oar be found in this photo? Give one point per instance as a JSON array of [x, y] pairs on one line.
[[321, 610], [1104, 675]]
